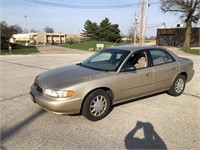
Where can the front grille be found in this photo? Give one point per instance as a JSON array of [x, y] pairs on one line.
[[39, 89]]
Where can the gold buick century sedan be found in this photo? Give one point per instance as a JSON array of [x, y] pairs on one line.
[[111, 76]]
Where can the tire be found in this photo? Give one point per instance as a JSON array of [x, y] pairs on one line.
[[178, 86], [96, 105]]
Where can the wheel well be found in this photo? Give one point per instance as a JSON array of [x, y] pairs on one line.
[[184, 74], [109, 91]]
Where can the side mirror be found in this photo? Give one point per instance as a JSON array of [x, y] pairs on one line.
[[128, 69]]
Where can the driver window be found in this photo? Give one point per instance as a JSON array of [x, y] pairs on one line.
[[137, 61]]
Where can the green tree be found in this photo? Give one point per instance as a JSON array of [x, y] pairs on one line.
[[108, 31], [91, 30], [105, 31], [190, 13], [114, 33]]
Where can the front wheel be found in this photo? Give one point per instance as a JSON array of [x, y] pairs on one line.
[[96, 105], [178, 86]]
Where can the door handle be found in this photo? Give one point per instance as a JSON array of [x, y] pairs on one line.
[[148, 74]]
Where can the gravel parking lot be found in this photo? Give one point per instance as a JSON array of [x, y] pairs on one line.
[[155, 122]]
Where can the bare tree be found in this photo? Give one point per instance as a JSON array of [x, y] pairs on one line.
[[8, 31], [48, 29], [131, 32], [16, 29], [25, 30], [34, 31], [190, 13]]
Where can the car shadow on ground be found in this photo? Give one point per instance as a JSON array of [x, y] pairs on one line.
[[150, 140]]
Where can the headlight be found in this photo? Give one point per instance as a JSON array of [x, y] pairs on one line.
[[58, 94]]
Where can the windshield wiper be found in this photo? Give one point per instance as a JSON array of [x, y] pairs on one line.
[[98, 69], [110, 70]]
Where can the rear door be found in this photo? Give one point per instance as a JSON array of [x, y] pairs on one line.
[[165, 68]]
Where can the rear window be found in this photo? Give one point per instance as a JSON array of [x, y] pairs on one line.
[[160, 57]]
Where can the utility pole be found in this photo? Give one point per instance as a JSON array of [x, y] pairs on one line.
[[145, 20], [135, 28], [141, 22]]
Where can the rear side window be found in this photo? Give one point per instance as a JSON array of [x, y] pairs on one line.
[[160, 57]]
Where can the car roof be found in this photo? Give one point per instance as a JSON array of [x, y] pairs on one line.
[[134, 47]]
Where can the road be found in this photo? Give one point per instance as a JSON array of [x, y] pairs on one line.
[[159, 121]]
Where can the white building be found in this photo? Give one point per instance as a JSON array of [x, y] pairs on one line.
[[43, 37]]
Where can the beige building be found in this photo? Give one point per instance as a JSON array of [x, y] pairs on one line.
[[51, 38], [45, 38]]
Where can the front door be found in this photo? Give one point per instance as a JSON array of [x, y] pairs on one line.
[[136, 77]]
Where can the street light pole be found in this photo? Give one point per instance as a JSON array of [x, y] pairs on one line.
[[135, 28], [26, 29]]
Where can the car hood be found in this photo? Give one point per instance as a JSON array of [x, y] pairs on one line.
[[66, 76]]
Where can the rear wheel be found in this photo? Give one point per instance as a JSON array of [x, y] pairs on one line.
[[178, 86], [96, 105]]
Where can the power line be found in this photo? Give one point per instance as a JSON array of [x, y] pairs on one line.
[[158, 25], [155, 26], [40, 2]]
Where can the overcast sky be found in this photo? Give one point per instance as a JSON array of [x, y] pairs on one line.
[[71, 20]]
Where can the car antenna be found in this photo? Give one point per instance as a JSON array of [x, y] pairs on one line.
[[115, 43]]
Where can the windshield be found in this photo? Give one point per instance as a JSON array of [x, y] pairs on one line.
[[106, 60]]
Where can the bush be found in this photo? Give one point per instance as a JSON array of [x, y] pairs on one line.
[[4, 42], [71, 41]]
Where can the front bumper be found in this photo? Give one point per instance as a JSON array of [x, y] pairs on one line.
[[56, 105]]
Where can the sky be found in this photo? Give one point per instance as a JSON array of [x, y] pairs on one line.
[[64, 19]]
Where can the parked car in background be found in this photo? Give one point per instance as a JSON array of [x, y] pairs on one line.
[[110, 76]]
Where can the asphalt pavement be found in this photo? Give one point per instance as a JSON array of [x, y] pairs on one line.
[[156, 122]]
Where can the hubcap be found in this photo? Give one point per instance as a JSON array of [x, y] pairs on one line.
[[98, 105], [179, 85]]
